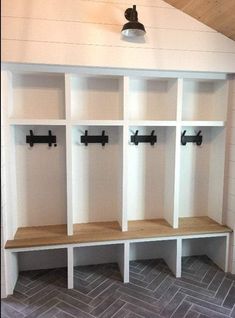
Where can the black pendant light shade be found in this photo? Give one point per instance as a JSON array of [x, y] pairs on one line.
[[132, 28]]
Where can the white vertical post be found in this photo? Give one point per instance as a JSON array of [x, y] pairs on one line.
[[178, 257], [125, 154], [11, 263], [123, 261], [126, 262], [177, 152], [69, 154], [70, 267]]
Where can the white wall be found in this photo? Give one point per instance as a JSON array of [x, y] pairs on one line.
[[229, 197], [87, 33]]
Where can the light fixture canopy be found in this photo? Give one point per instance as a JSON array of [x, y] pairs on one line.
[[132, 28]]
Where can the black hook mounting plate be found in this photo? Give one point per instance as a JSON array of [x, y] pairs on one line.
[[195, 139], [33, 139], [103, 139], [152, 139]]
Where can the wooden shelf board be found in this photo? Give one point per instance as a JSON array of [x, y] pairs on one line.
[[110, 231]]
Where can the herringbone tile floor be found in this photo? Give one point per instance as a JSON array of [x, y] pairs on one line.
[[203, 291]]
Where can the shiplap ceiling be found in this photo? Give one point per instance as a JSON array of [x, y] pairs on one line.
[[217, 14]]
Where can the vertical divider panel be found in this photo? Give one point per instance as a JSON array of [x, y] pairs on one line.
[[123, 261], [12, 271], [177, 152], [218, 250], [10, 211], [178, 258], [70, 266], [68, 153], [124, 154]]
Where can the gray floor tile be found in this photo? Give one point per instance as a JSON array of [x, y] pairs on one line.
[[203, 291]]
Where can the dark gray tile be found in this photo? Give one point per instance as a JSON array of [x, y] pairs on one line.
[[138, 282], [111, 310], [191, 314], [102, 296], [209, 275], [140, 311], [166, 298], [157, 281], [194, 288], [138, 296], [172, 305], [50, 313], [208, 305], [140, 303], [44, 308], [197, 295], [40, 302], [62, 314], [73, 311], [216, 281], [223, 289], [163, 287], [230, 299], [122, 313], [208, 312], [97, 311], [181, 310], [233, 312], [74, 302], [99, 292], [10, 312]]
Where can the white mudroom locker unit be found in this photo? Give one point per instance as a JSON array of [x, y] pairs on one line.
[[117, 165]]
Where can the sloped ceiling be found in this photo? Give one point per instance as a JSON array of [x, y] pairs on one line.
[[217, 14]]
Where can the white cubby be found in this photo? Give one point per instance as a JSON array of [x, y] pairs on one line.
[[165, 249], [150, 190], [204, 100], [202, 174], [37, 96], [97, 176], [96, 98], [216, 248], [152, 99], [42, 259], [40, 177], [101, 254]]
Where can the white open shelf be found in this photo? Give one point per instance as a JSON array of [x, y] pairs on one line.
[[37, 96], [40, 177], [97, 176], [96, 98], [204, 100], [150, 190], [152, 99], [202, 174]]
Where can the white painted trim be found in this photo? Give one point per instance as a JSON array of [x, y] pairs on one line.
[[70, 267], [178, 258], [16, 67]]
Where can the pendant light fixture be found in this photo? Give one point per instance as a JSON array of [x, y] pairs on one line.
[[132, 28]]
